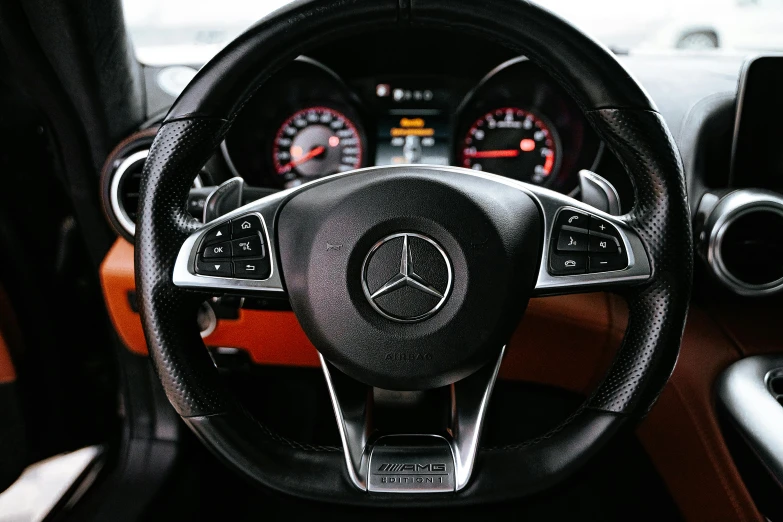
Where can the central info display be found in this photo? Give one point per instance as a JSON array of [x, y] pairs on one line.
[[420, 137]]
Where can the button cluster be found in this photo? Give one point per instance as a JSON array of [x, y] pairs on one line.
[[235, 249], [584, 243]]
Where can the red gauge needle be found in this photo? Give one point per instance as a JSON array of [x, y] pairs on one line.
[[307, 157], [510, 153]]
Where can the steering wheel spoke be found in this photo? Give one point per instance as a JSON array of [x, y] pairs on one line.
[[585, 249], [398, 462], [234, 253]]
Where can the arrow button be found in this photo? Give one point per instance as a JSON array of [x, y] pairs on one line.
[[217, 234], [214, 268]]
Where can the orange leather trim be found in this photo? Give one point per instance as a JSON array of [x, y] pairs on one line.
[[565, 341], [563, 334], [117, 279], [682, 436], [7, 373], [268, 337], [7, 324]]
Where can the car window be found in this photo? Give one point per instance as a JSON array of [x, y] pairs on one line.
[[183, 32]]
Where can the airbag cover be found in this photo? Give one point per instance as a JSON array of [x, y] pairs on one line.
[[468, 244]]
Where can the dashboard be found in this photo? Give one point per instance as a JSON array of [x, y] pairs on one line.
[[434, 97], [513, 121]]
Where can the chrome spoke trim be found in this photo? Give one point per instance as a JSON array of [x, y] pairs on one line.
[[469, 402], [548, 201], [184, 268], [638, 268], [352, 402], [411, 463]]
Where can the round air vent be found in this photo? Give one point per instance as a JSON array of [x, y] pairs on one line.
[[745, 241], [121, 180], [124, 191]]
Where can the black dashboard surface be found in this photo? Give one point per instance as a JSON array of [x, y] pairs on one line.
[[463, 81]]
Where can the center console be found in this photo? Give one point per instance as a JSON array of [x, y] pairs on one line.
[[751, 392]]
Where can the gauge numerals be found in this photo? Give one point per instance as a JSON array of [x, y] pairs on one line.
[[512, 142], [315, 142]]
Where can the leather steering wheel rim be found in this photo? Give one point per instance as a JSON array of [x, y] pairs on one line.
[[615, 105]]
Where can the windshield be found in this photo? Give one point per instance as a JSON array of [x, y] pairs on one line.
[[183, 32]]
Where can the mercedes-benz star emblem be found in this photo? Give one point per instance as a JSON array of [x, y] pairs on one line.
[[406, 277]]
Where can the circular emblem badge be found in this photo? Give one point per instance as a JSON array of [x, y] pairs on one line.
[[406, 277]]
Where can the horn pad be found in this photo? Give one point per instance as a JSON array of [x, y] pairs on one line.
[[409, 278]]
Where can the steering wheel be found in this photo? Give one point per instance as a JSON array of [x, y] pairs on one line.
[[413, 277]]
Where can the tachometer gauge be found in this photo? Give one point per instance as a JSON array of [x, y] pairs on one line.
[[316, 142], [512, 142]]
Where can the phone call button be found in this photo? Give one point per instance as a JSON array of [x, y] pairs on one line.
[[570, 263], [571, 218]]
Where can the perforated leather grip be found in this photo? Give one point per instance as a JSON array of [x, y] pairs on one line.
[[618, 109], [657, 310]]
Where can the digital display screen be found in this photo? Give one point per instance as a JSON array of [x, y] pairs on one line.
[[412, 138], [758, 156]]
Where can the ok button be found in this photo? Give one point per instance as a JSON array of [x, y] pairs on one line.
[[218, 250]]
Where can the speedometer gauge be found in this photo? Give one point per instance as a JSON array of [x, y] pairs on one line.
[[316, 142], [512, 142]]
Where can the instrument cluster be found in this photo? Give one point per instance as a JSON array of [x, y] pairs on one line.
[[308, 122]]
